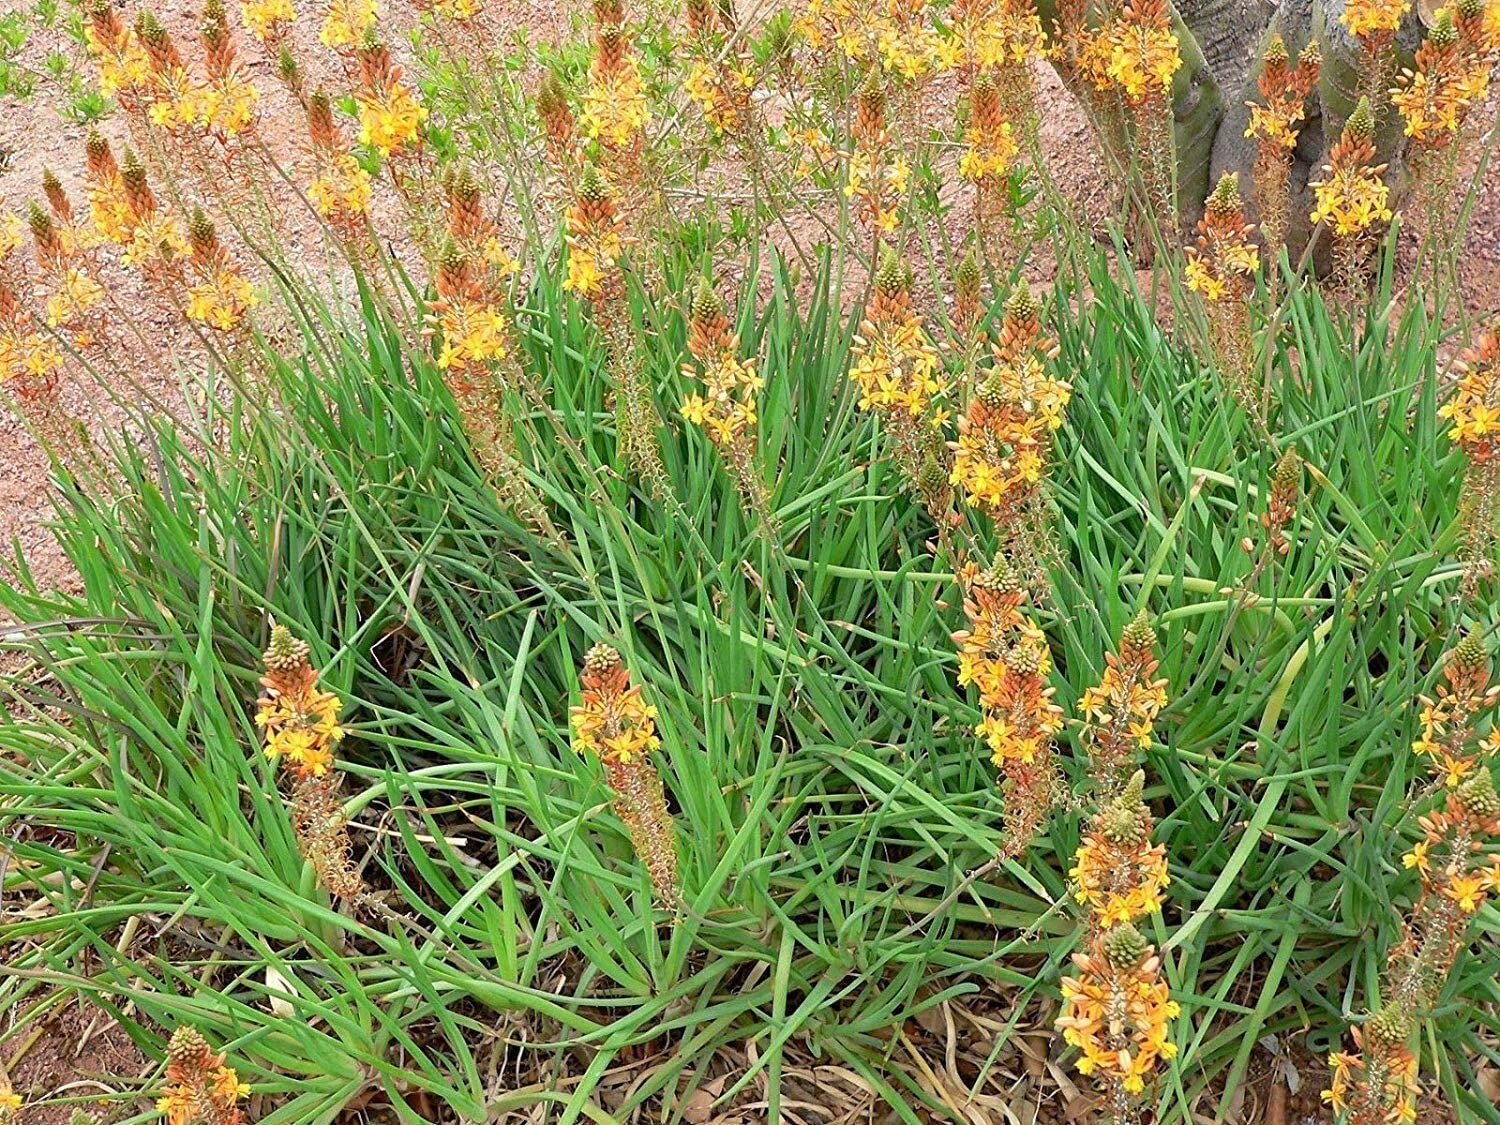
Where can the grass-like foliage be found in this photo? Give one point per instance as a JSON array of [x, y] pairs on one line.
[[819, 763]]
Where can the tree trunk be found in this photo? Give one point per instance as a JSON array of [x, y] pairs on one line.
[[1222, 42]]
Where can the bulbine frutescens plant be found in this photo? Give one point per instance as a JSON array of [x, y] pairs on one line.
[[996, 442]]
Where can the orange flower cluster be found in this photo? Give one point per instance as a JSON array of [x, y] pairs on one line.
[[721, 77], [28, 353], [1138, 53], [1223, 263], [1478, 23], [200, 1088], [1474, 409], [228, 99], [109, 210], [1120, 711], [171, 91], [472, 321], [390, 114], [1117, 1010], [118, 54], [1274, 124], [1221, 269], [1352, 198], [1005, 435], [470, 280], [1118, 874], [1374, 22], [595, 238], [613, 721], [899, 36], [1377, 1083], [896, 370], [615, 113], [340, 188], [616, 725], [1451, 837], [301, 728], [300, 722], [1284, 90], [268, 20], [64, 262], [878, 177], [1448, 736], [347, 23], [990, 145], [726, 410], [1473, 413], [993, 34], [155, 242], [221, 297], [1005, 657], [895, 364]]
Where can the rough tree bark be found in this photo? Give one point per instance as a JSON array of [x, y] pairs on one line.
[[1222, 42]]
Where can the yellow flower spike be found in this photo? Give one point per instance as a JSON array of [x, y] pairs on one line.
[[1373, 20], [991, 147], [199, 1086], [301, 728], [267, 20], [613, 722], [1005, 434], [390, 114], [895, 365], [1352, 198], [595, 238], [1117, 1011], [346, 23], [615, 110], [1143, 52], [299, 722]]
